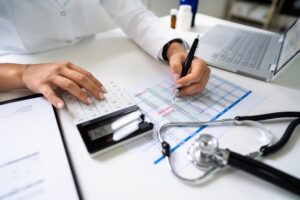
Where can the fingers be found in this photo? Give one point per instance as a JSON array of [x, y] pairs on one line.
[[176, 65], [48, 92], [87, 74], [84, 82], [197, 78], [196, 87], [72, 88], [81, 78], [65, 75], [197, 71]]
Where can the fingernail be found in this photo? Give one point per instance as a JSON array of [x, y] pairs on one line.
[[59, 105], [101, 95], [178, 85], [89, 100], [103, 89], [175, 77]]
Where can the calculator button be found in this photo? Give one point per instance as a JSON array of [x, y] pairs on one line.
[[115, 99], [106, 111]]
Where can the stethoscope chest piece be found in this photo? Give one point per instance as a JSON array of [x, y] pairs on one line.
[[201, 152]]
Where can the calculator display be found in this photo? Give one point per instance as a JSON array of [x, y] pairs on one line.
[[98, 134]]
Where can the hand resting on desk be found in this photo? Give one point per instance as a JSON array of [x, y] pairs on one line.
[[45, 78]]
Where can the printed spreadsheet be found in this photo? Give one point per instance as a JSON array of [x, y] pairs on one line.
[[157, 103]]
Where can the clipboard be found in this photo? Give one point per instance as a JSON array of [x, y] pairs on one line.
[[35, 182]]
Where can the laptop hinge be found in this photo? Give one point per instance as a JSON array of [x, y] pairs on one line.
[[272, 67], [281, 38]]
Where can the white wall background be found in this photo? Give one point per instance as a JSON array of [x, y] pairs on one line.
[[216, 8]]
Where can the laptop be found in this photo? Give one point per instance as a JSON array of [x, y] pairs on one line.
[[260, 55]]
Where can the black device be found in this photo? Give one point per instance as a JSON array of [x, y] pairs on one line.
[[97, 134]]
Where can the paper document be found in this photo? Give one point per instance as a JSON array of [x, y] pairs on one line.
[[33, 161], [220, 99]]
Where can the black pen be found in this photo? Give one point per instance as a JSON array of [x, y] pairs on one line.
[[188, 62]]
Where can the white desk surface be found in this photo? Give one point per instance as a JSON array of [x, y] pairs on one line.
[[117, 175]]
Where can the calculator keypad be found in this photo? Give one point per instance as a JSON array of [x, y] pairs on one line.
[[115, 99]]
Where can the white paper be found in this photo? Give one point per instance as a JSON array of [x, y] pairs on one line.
[[220, 99], [33, 161]]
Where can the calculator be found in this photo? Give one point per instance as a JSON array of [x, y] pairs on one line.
[[110, 122]]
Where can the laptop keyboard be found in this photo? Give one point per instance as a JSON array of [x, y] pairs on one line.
[[245, 49]]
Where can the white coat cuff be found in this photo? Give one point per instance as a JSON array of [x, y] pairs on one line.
[[160, 58]]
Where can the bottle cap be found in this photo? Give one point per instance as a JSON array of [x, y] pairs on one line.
[[173, 11], [185, 8]]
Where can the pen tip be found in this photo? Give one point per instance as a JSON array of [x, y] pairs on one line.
[[175, 94]]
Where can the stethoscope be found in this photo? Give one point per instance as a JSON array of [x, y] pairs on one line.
[[206, 155]]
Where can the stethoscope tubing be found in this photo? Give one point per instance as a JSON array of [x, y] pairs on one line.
[[266, 150], [264, 171], [245, 163], [268, 116]]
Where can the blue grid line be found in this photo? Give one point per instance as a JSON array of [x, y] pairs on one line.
[[203, 127]]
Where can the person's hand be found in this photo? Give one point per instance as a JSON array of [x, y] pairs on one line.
[[196, 79], [44, 78]]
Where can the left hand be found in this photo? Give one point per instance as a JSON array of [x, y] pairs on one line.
[[197, 78]]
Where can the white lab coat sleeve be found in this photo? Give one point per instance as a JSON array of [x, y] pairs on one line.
[[140, 24]]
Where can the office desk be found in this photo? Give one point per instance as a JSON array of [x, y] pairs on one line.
[[121, 175]]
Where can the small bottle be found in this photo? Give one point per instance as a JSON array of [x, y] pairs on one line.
[[184, 18], [194, 4], [173, 18]]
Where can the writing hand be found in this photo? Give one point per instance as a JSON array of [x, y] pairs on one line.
[[198, 76]]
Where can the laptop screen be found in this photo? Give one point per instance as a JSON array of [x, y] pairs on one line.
[[291, 45]]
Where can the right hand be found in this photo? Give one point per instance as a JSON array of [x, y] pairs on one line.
[[44, 78]]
